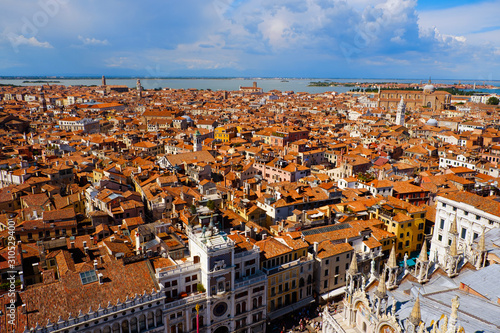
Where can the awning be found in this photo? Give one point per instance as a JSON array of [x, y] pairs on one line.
[[333, 293]]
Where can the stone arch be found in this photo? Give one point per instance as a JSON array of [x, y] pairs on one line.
[[125, 326], [142, 322], [106, 329], [159, 317], [385, 326], [97, 330], [133, 325], [151, 319], [116, 328], [222, 329]]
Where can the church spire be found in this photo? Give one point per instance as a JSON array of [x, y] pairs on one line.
[[391, 263], [415, 316], [423, 253], [353, 268], [381, 288], [453, 226]]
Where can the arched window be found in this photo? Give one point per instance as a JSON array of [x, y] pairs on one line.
[[133, 325], [116, 328], [260, 300], [255, 303], [142, 323], [238, 308], [309, 279], [151, 319], [159, 317], [106, 329], [243, 307], [125, 326], [301, 282]]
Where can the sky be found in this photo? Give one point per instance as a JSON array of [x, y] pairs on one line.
[[251, 38]]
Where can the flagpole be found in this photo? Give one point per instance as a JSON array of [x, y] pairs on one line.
[[197, 307]]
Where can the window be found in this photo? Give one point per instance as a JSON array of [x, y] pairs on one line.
[[476, 235], [441, 224], [347, 256], [337, 270], [464, 233], [420, 226], [327, 262], [478, 217], [440, 237], [449, 241], [326, 272], [401, 235], [466, 213], [325, 285], [336, 280], [443, 204], [454, 209]]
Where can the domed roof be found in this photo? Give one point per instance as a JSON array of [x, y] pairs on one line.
[[429, 88], [432, 122], [188, 118]]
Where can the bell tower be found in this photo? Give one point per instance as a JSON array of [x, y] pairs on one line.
[[400, 115]]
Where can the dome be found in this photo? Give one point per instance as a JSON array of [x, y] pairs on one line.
[[428, 88], [432, 122], [188, 119]]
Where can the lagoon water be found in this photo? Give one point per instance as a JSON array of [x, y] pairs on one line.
[[266, 84]]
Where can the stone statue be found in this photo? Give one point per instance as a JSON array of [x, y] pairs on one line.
[[406, 261], [203, 231], [372, 269]]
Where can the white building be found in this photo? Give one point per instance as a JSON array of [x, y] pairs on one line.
[[471, 213], [235, 288]]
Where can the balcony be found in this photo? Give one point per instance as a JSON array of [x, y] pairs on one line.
[[249, 280], [178, 269], [194, 298]]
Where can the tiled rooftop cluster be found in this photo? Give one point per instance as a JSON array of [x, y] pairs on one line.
[[107, 188]]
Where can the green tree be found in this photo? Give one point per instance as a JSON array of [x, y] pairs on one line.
[[192, 209], [200, 288], [493, 101], [210, 205]]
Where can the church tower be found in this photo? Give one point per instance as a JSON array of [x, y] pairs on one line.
[[400, 115], [139, 88], [41, 99], [197, 141]]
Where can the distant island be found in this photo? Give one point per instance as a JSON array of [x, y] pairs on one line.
[[41, 81], [330, 84]]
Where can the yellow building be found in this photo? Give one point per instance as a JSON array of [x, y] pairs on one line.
[[405, 220], [97, 175], [224, 133], [289, 268]]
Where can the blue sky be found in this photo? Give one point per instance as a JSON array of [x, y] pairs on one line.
[[281, 38]]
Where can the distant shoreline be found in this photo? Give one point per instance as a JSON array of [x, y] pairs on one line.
[[41, 81], [44, 78]]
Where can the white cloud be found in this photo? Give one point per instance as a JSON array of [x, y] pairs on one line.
[[92, 41], [17, 40]]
